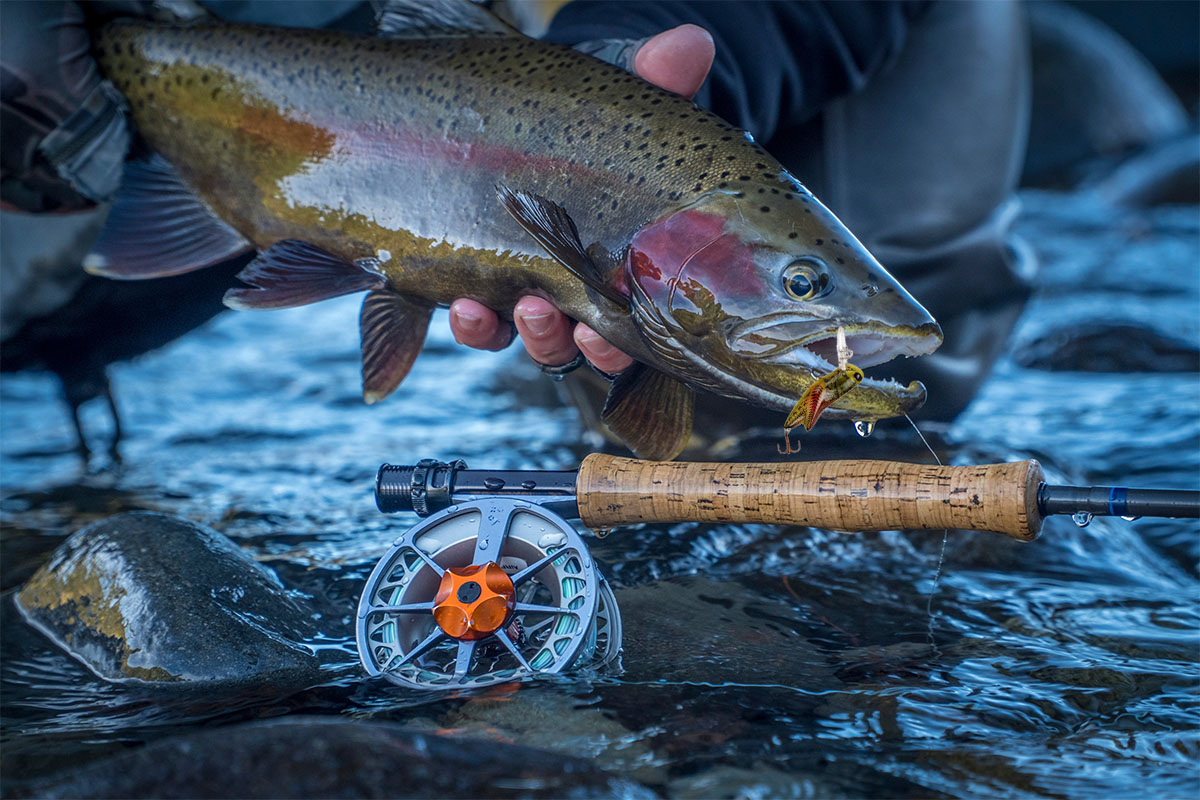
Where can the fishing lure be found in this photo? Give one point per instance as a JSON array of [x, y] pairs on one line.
[[823, 393]]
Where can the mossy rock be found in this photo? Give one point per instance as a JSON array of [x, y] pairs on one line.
[[153, 598]]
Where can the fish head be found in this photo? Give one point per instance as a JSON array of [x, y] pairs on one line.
[[744, 292]]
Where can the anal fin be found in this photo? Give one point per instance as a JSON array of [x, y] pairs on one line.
[[294, 273], [158, 227], [651, 412], [393, 329]]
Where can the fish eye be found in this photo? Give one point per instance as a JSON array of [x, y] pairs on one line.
[[804, 280]]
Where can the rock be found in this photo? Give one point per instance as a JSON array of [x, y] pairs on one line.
[[547, 718], [698, 630], [148, 597], [323, 757]]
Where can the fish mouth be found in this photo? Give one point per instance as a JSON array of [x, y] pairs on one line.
[[797, 352], [796, 344]]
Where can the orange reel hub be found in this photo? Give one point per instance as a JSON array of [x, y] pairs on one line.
[[474, 602]]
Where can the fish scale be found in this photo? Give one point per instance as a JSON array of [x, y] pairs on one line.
[[337, 154]]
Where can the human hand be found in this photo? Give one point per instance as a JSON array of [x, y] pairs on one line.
[[677, 60]]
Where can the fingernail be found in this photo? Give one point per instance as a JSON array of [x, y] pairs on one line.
[[539, 324], [595, 343], [468, 321]]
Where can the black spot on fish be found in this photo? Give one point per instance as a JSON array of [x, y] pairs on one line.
[[792, 235]]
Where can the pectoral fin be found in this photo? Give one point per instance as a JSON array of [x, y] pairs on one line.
[[553, 228], [393, 329], [293, 273], [651, 412], [158, 227]]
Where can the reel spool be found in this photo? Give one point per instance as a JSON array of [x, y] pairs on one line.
[[484, 592]]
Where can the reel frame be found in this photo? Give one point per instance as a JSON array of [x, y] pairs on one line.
[[563, 614]]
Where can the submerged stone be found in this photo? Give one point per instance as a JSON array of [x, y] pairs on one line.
[[302, 757], [148, 597]]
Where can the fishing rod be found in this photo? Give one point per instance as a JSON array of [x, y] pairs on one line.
[[495, 584], [851, 495]]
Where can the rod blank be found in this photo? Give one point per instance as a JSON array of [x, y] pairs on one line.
[[1118, 501]]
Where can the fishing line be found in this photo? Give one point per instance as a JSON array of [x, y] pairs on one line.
[[937, 573]]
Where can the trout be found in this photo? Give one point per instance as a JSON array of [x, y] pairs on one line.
[[450, 156]]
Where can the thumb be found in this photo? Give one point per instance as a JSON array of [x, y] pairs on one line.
[[677, 60]]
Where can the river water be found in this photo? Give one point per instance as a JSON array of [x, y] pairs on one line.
[[758, 660]]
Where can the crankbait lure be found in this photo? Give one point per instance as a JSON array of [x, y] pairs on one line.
[[823, 393]]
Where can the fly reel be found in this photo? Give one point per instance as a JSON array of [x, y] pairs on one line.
[[491, 590]]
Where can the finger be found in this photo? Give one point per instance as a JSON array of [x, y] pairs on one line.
[[545, 331], [678, 60], [603, 355], [476, 325]]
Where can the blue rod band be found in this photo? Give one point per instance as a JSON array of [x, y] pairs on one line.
[[1116, 502]]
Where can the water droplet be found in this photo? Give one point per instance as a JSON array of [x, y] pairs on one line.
[[553, 539], [1082, 518], [1129, 519], [864, 427]]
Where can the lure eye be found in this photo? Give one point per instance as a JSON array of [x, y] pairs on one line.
[[803, 281]]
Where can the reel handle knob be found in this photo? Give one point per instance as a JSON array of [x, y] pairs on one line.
[[848, 495]]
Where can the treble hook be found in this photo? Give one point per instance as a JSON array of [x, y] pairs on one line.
[[787, 432]]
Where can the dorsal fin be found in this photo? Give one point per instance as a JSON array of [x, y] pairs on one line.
[[409, 19]]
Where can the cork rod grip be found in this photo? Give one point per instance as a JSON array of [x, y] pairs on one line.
[[840, 495]]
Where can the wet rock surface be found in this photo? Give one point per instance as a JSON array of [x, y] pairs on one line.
[[155, 598], [313, 757]]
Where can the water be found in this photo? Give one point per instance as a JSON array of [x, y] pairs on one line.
[[763, 660]]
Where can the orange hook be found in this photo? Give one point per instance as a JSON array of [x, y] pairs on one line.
[[787, 441]]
